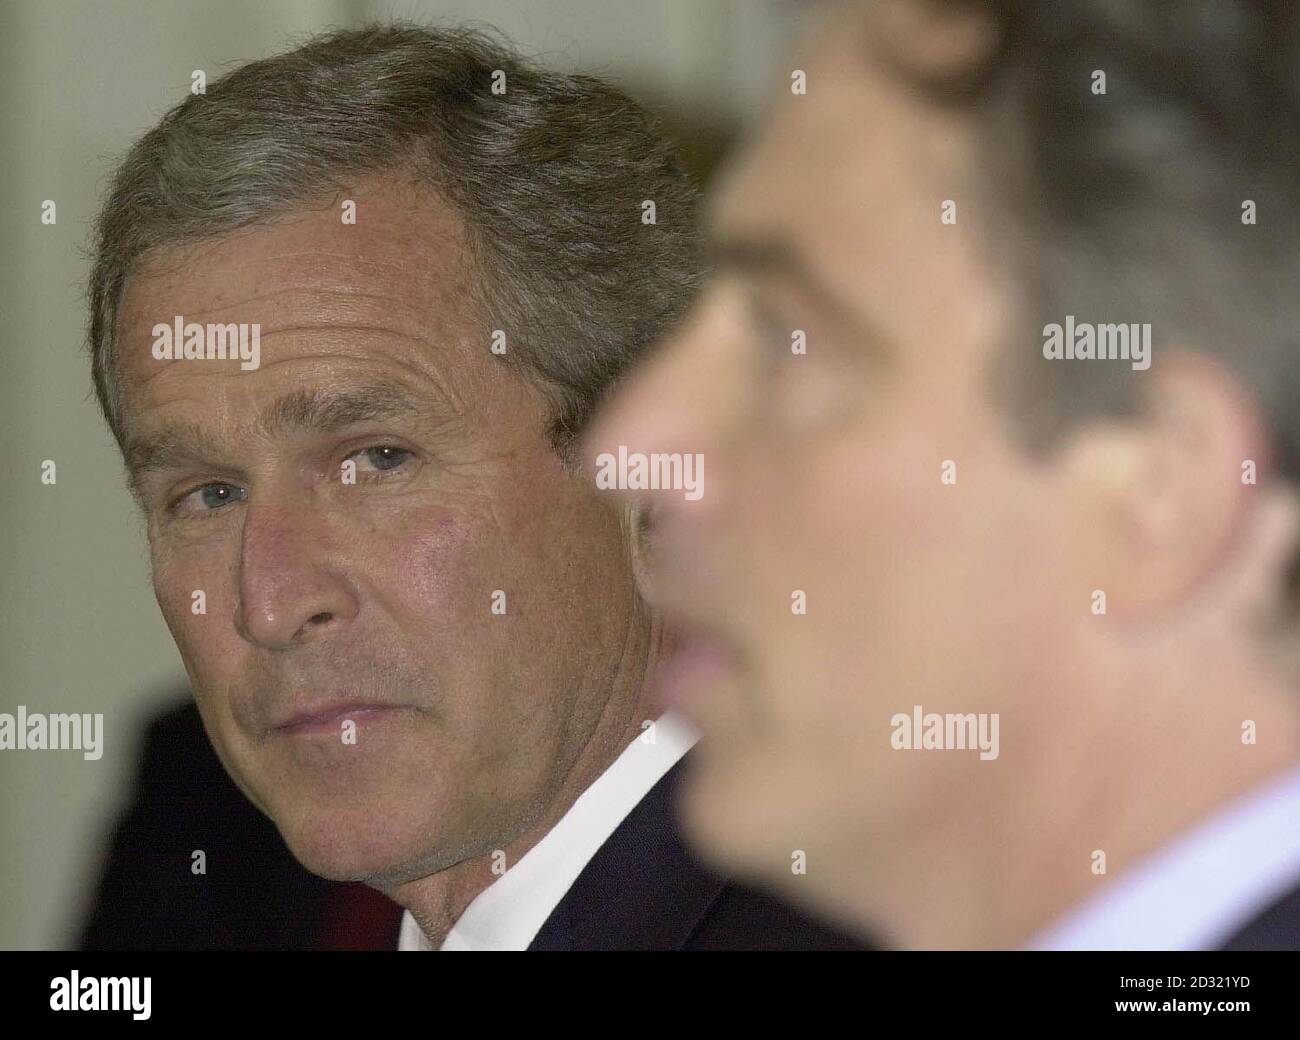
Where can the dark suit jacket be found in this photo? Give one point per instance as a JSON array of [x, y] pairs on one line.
[[1276, 928], [642, 890]]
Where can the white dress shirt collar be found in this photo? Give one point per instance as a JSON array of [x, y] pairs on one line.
[[508, 914], [1196, 892]]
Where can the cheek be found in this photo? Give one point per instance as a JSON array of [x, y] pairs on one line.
[[906, 576], [431, 565], [194, 593], [196, 599], [488, 599], [428, 587], [842, 525]]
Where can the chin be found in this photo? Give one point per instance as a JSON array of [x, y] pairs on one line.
[[727, 820], [357, 843]]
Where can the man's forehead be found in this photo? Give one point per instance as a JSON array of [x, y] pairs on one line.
[[851, 179], [808, 141], [396, 284], [406, 244], [313, 409]]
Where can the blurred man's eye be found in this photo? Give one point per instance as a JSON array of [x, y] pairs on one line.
[[805, 383], [775, 340]]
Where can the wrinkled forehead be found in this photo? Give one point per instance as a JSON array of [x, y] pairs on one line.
[[380, 256]]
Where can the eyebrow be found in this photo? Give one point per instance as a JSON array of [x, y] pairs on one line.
[[758, 256], [300, 411], [756, 253], [762, 256]]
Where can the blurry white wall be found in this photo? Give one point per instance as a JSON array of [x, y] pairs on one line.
[[79, 80]]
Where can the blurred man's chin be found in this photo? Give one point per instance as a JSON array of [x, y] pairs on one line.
[[731, 822]]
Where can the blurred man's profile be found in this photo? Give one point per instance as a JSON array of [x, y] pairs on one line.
[[989, 600]]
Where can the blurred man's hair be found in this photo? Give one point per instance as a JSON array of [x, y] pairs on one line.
[[1127, 206], [549, 176]]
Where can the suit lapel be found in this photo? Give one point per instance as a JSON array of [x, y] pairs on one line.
[[641, 891]]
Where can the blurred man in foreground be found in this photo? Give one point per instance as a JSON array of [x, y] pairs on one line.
[[987, 597]]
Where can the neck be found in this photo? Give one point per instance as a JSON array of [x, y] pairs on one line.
[[1156, 760]]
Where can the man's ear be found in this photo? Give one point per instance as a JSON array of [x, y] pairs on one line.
[[636, 519], [1158, 505]]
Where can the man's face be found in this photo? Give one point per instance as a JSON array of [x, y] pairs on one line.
[[373, 600], [827, 479]]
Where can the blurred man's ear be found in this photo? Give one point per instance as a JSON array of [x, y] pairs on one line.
[[948, 43], [1160, 505]]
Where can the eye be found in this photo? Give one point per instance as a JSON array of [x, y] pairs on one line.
[[382, 458], [772, 337], [806, 390], [769, 339], [208, 498]]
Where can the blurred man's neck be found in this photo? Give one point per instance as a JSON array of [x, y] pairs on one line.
[[1155, 760]]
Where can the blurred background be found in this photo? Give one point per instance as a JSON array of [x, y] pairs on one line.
[[79, 628]]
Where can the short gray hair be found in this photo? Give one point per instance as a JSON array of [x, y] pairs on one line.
[[549, 175]]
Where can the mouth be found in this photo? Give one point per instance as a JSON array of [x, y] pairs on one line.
[[698, 661], [329, 718]]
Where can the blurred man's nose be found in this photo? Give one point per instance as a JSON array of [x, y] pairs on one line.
[[290, 593], [678, 403]]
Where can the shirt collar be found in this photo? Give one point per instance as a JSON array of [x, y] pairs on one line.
[[1199, 890], [508, 914]]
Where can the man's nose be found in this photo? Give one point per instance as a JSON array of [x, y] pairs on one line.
[[672, 404], [289, 592]]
